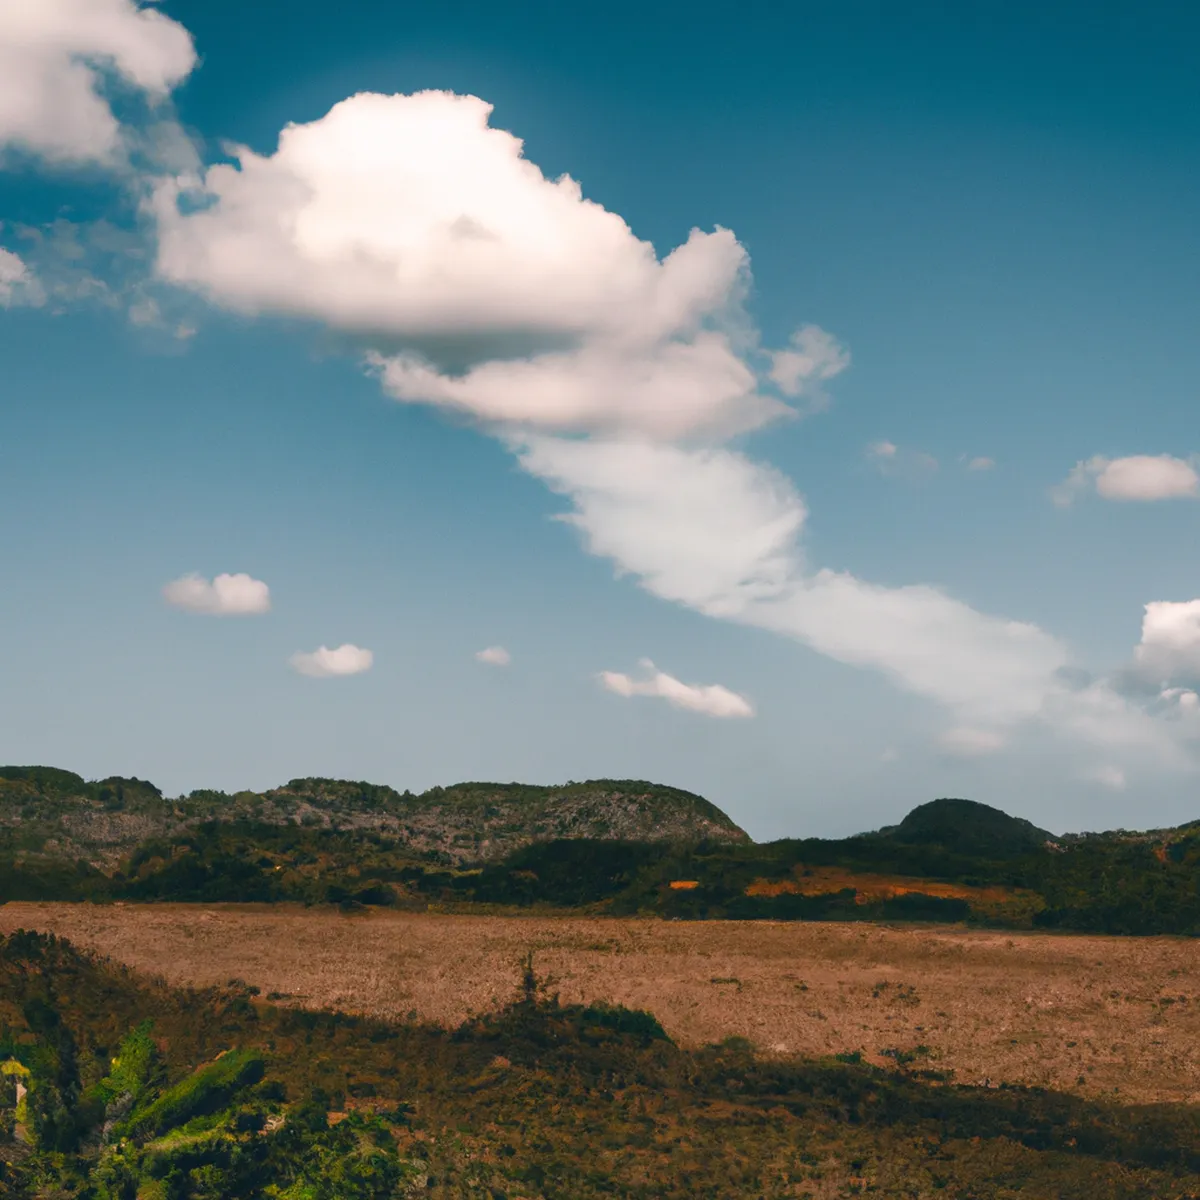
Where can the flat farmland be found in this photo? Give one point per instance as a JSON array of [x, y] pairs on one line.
[[1118, 1017]]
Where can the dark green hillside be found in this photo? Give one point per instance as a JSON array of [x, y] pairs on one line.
[[967, 827], [140, 1092]]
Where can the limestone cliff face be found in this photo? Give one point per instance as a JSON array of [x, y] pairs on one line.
[[47, 812], [481, 821]]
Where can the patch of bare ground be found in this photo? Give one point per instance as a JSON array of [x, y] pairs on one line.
[[1099, 1016]]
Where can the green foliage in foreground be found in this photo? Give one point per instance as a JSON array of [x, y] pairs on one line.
[[170, 1095]]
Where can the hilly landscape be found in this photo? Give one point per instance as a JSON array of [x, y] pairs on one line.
[[333, 990], [606, 846]]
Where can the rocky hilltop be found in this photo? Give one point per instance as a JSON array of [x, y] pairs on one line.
[[47, 811]]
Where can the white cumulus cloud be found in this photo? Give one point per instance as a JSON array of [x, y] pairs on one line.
[[54, 58], [494, 656], [224, 596], [324, 662], [1138, 477], [712, 699], [479, 284]]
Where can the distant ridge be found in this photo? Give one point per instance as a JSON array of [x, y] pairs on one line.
[[619, 846], [60, 813]]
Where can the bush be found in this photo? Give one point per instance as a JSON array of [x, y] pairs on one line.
[[202, 1093]]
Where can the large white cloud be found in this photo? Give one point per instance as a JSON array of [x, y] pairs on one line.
[[478, 283], [410, 214], [225, 596], [324, 663], [711, 699], [1137, 477], [55, 56]]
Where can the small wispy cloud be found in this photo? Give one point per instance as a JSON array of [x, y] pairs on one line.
[[1141, 477], [494, 656], [965, 742], [225, 596], [891, 459], [712, 699], [18, 284], [324, 662], [980, 462], [1108, 776], [813, 357]]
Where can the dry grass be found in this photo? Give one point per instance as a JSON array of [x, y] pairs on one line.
[[870, 888], [1115, 1016], [822, 881]]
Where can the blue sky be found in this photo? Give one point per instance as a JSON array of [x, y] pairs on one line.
[[984, 221]]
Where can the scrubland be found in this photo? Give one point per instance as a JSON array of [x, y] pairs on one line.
[[1115, 1018]]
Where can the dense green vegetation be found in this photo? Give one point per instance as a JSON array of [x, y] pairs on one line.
[[336, 848], [141, 1092]]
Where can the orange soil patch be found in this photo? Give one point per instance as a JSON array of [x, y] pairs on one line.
[[1096, 1015], [822, 881]]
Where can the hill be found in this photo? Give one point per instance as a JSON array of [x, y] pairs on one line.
[[968, 827], [50, 813]]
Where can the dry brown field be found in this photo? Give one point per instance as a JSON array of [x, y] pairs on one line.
[[1094, 1015]]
